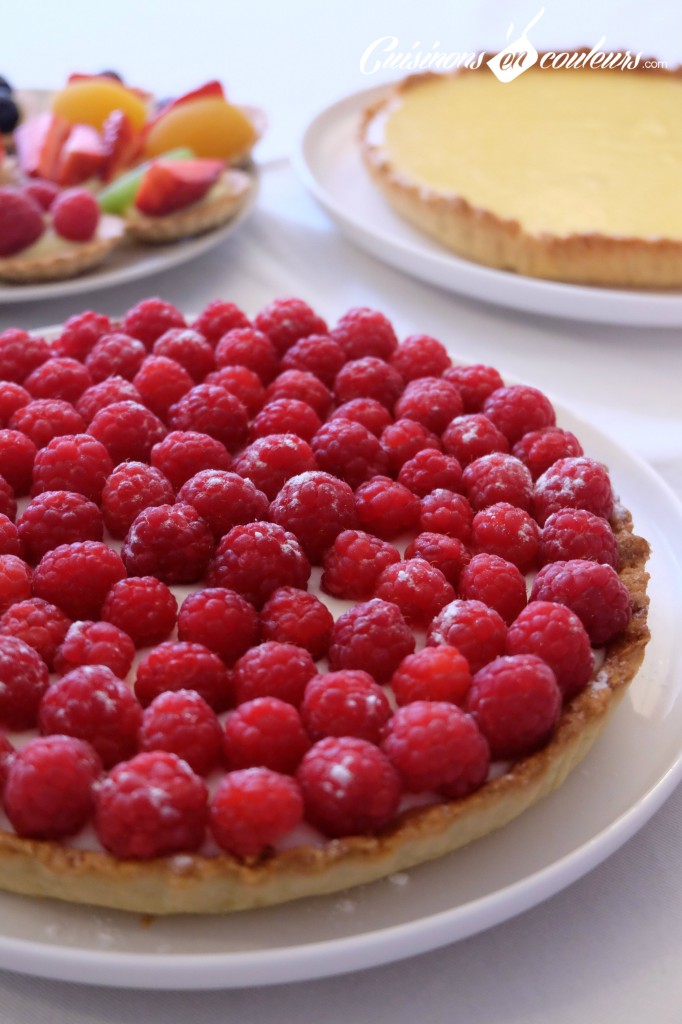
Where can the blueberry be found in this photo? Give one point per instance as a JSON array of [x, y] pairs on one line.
[[111, 74], [9, 112], [5, 86]]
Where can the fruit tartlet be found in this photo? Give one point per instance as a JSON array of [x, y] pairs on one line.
[[287, 607]]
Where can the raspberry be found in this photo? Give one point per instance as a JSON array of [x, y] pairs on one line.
[[23, 681], [431, 401], [509, 532], [99, 396], [161, 382], [241, 382], [443, 511], [115, 354], [49, 793], [95, 643], [21, 221], [151, 318], [248, 347], [497, 477], [6, 754], [20, 354], [183, 666], [62, 378], [577, 533], [221, 620], [286, 416], [430, 470], [593, 591], [258, 558], [402, 440], [10, 542], [354, 563], [286, 320], [572, 483], [12, 398], [419, 590], [224, 500], [385, 507], [132, 487], [554, 633], [420, 356], [39, 624], [80, 334], [348, 450], [43, 419], [265, 731], [74, 462], [182, 723], [217, 318], [292, 616], [128, 431], [75, 215], [473, 436], [516, 703], [93, 704], [316, 508], [182, 454], [477, 631], [17, 459], [445, 553], [368, 378], [208, 409], [188, 348], [434, 673], [367, 411], [143, 607], [474, 382], [317, 354], [365, 332], [151, 806], [496, 582], [77, 577], [372, 636], [171, 542], [540, 449], [303, 387], [8, 505], [270, 461], [518, 409], [437, 746], [253, 808], [273, 670], [43, 192], [349, 786], [345, 704], [15, 581]]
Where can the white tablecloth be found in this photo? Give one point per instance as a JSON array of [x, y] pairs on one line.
[[609, 947]]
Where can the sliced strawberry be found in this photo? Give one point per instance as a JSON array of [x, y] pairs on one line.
[[121, 144], [39, 143], [172, 185], [82, 156], [212, 88]]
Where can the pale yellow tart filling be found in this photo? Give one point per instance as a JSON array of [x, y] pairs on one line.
[[551, 155]]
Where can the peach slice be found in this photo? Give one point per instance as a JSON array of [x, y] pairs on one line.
[[91, 100], [210, 126]]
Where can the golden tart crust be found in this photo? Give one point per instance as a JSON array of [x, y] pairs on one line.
[[70, 260], [587, 252], [189, 883]]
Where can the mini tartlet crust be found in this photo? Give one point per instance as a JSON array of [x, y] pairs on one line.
[[72, 261], [196, 219], [192, 883], [484, 237]]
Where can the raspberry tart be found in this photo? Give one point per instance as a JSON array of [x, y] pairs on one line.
[[524, 177], [247, 667]]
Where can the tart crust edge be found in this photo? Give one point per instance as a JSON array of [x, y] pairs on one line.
[[192, 883]]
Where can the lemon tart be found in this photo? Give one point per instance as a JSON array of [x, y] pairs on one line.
[[571, 175]]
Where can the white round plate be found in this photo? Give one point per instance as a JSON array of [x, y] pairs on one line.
[[633, 768], [328, 160]]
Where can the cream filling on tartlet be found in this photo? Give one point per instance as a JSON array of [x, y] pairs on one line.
[[573, 152]]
